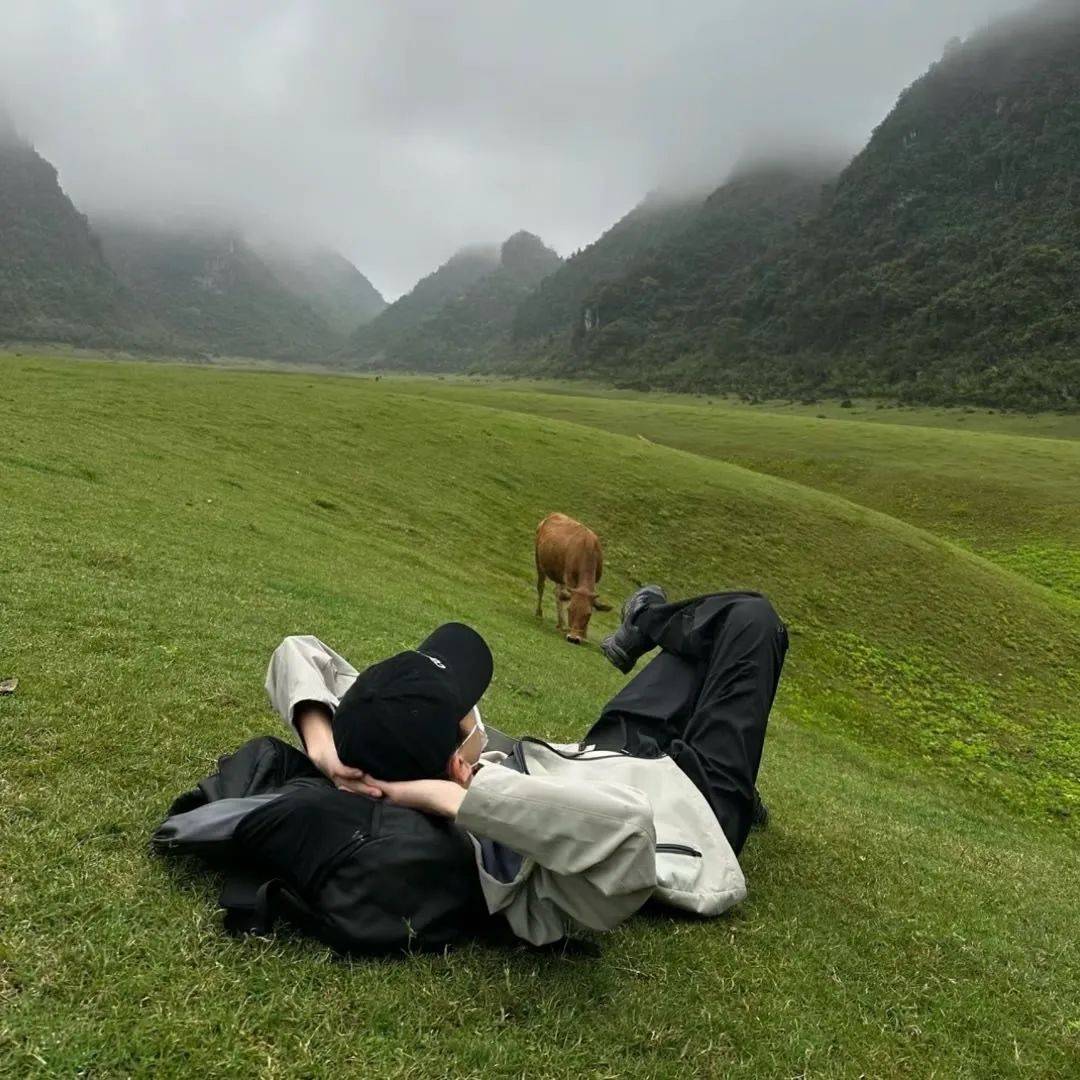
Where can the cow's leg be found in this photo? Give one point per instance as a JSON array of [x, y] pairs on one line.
[[540, 578], [562, 598]]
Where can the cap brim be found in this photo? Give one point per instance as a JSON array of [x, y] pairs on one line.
[[467, 656]]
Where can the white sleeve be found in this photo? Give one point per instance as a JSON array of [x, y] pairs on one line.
[[305, 669], [590, 852]]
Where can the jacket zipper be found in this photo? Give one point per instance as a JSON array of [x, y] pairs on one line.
[[356, 841], [519, 756], [519, 752], [679, 849]]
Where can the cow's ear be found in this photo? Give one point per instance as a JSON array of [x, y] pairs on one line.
[[600, 605]]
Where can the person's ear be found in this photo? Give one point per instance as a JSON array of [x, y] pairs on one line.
[[459, 770]]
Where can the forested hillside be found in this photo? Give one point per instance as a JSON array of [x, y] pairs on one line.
[[54, 282], [213, 292], [449, 282], [558, 301], [180, 290], [466, 330], [947, 263], [666, 303], [943, 265]]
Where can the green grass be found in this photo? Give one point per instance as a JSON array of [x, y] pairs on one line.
[[1049, 425], [913, 904], [1010, 497]]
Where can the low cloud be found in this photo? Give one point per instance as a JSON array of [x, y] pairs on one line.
[[399, 132]]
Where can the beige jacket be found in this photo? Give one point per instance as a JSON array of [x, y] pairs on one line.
[[598, 833]]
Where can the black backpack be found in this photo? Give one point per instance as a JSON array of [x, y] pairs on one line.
[[359, 874]]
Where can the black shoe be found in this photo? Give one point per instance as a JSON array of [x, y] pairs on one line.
[[626, 645], [759, 816]]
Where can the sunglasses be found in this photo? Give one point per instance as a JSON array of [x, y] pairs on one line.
[[478, 726]]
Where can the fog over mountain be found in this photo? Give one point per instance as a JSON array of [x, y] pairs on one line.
[[397, 133]]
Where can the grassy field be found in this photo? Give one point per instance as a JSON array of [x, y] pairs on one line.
[[1007, 494], [1049, 425], [913, 904]]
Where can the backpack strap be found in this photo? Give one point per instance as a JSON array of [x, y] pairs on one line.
[[247, 899], [253, 904]]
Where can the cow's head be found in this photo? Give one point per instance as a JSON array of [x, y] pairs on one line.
[[582, 602]]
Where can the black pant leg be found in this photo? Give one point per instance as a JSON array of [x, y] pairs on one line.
[[705, 699], [690, 628], [744, 644], [651, 710], [658, 702]]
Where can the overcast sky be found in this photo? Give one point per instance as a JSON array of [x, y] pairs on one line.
[[397, 131]]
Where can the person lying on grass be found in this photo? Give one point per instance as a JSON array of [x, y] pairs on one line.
[[656, 801]]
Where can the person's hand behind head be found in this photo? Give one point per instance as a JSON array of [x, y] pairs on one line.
[[346, 778], [442, 798], [313, 723]]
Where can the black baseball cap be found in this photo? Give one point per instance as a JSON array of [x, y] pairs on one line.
[[399, 719]]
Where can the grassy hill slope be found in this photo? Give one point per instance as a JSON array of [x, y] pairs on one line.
[[1009, 497], [912, 904]]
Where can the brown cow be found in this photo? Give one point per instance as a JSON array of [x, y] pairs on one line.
[[569, 554]]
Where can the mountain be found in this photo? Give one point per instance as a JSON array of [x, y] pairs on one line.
[[943, 265], [328, 283], [452, 280], [946, 265], [555, 306], [467, 328], [213, 291], [674, 297], [54, 281], [173, 289]]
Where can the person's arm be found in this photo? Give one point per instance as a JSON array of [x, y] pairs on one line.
[[304, 670], [439, 797], [601, 832], [590, 849], [312, 719]]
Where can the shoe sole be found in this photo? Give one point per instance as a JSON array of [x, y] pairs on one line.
[[654, 590]]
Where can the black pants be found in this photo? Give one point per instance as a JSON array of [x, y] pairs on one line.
[[705, 699]]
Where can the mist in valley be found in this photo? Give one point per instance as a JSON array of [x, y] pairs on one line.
[[397, 134]]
